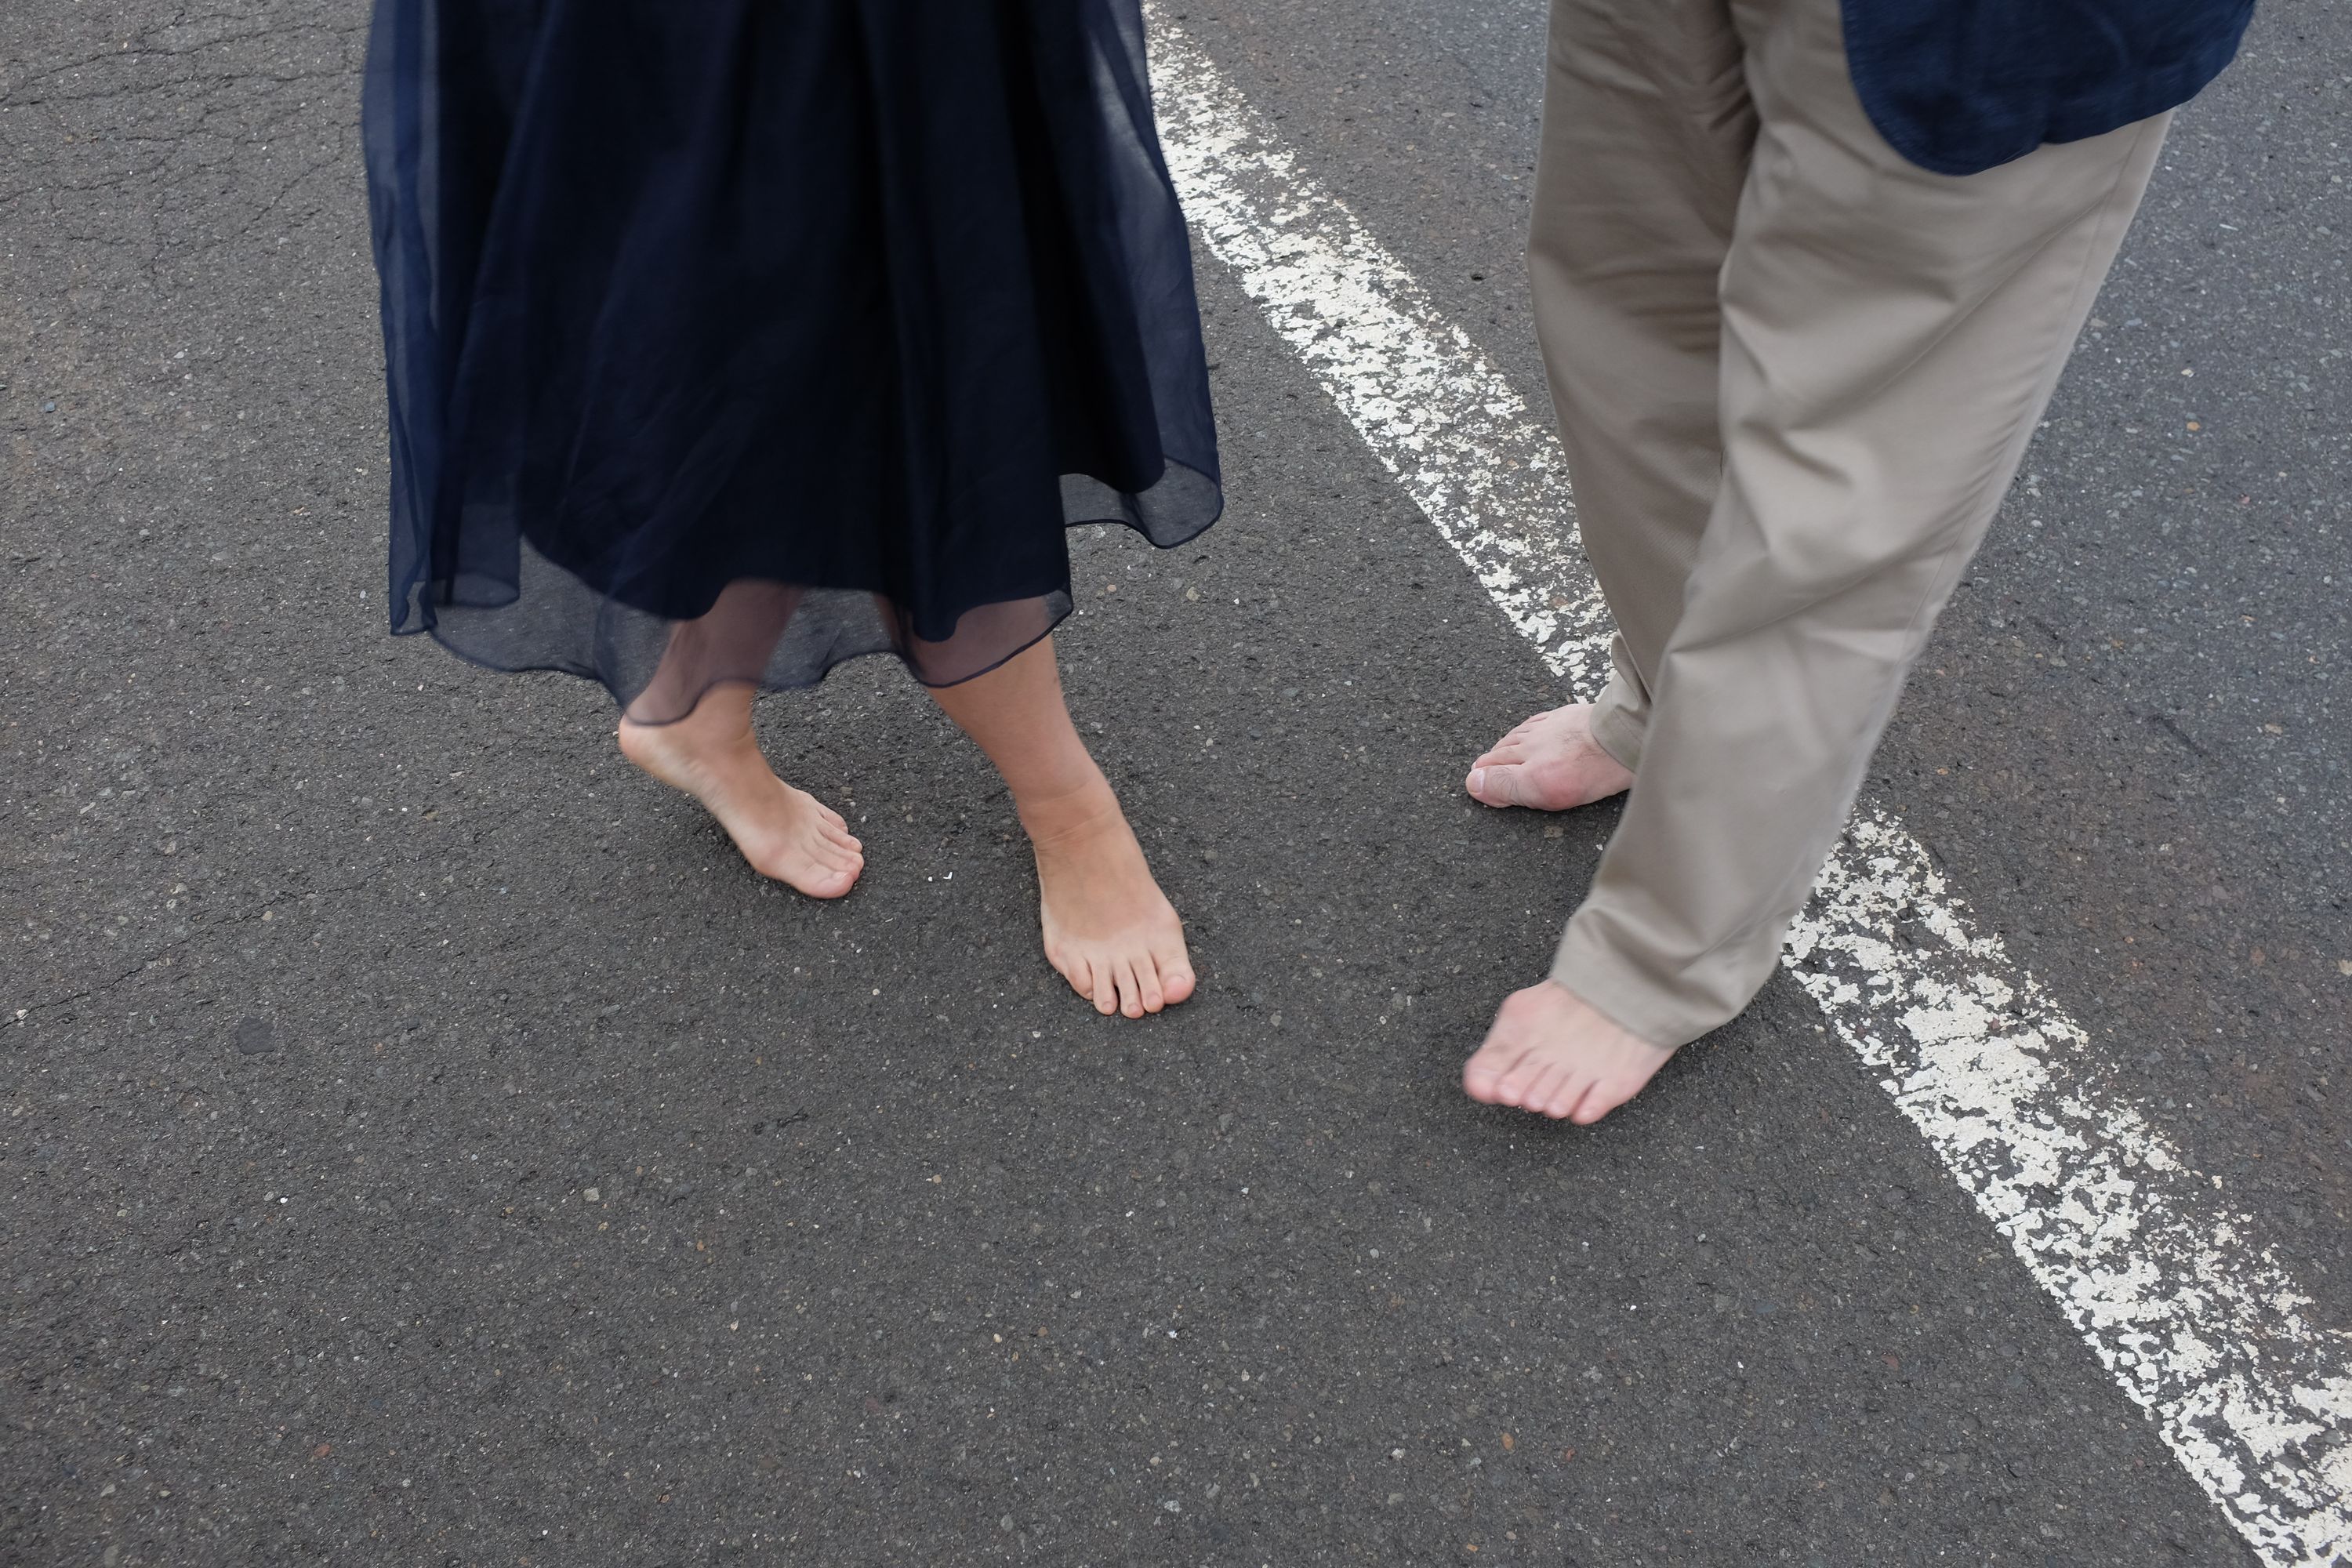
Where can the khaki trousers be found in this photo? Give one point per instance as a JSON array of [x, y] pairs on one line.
[[1794, 374]]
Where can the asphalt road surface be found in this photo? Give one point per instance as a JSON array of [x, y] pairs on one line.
[[425, 1142]]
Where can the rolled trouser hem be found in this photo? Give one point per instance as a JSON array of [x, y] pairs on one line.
[[1617, 733], [1666, 1016]]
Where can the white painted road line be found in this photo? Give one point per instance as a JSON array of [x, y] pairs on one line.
[[2192, 1316]]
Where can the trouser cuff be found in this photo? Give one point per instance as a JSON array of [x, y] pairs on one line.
[[1617, 730], [1648, 1007]]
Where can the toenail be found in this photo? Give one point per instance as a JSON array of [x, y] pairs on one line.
[[1477, 779]]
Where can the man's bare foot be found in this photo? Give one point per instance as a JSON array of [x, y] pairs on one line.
[[1550, 762], [1555, 1054], [1109, 928], [785, 833]]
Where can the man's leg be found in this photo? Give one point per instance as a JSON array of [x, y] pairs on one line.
[[1891, 338], [1647, 127]]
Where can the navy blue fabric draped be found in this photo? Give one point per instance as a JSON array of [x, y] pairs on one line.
[[733, 339]]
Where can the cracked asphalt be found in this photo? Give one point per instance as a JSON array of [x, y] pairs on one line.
[[425, 1142]]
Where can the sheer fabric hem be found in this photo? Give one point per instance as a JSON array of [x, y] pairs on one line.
[[772, 636]]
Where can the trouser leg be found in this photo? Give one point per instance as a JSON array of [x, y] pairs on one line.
[[1890, 338], [1646, 132]]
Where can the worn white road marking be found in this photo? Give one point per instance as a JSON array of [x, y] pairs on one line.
[[2192, 1315]]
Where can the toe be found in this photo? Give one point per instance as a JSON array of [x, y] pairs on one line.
[[1493, 786], [1561, 1098], [1615, 1089], [1483, 1074], [1148, 991], [1479, 1076], [1105, 989], [1518, 1085], [1176, 980], [1130, 993], [827, 879], [1608, 1092], [1544, 1087]]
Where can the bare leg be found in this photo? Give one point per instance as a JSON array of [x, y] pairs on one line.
[[729, 642], [1552, 1052], [1109, 928], [691, 729]]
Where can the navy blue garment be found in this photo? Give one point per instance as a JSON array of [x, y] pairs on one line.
[[1958, 86], [730, 340]]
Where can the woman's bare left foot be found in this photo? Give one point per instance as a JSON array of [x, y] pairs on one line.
[[1555, 1054], [785, 833], [1110, 930]]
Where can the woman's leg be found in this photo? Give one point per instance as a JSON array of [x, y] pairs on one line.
[[1109, 928], [691, 729]]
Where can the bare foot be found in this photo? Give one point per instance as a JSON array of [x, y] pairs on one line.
[[785, 833], [1555, 1054], [1109, 928], [1550, 762]]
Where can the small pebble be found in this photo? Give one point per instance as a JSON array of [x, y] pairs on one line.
[[591, 1194]]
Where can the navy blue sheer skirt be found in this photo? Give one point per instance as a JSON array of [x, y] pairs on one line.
[[731, 339]]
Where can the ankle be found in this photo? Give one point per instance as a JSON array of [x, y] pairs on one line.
[[719, 721], [1075, 812]]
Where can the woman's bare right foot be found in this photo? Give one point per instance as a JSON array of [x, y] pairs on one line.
[[1110, 930], [785, 833], [1550, 762]]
